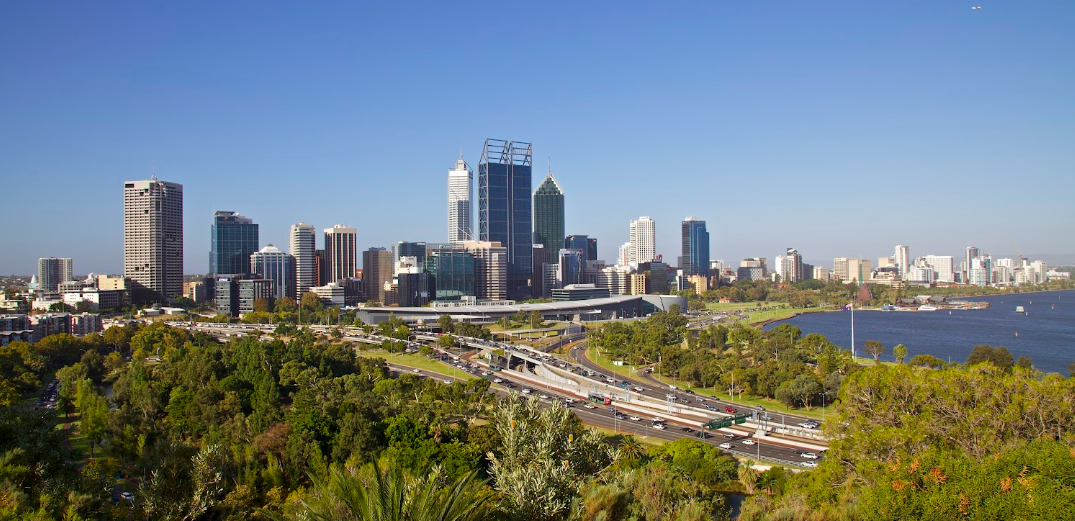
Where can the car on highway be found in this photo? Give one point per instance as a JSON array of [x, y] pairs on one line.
[[748, 442], [527, 391], [498, 380], [589, 406], [808, 464], [808, 455], [725, 446], [688, 391], [658, 426], [730, 409], [416, 370], [638, 389], [727, 435], [635, 418], [544, 397]]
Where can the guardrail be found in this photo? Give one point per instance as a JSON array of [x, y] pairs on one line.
[[753, 455]]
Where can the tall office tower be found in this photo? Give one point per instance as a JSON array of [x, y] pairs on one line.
[[410, 249], [303, 248], [277, 266], [858, 270], [459, 180], [840, 269], [643, 240], [153, 238], [504, 207], [943, 267], [377, 268], [232, 240], [540, 257], [51, 271], [695, 247], [623, 255], [549, 214], [570, 267], [902, 258], [587, 244], [341, 252], [490, 269], [792, 269]]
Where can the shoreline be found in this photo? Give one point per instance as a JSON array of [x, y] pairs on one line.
[[762, 325]]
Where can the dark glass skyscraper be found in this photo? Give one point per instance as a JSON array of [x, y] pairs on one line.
[[695, 247], [233, 240], [504, 207], [549, 214], [453, 273], [587, 244]]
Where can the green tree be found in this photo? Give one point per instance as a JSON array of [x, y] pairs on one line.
[[900, 352], [800, 391], [998, 356], [285, 305], [388, 494], [94, 411], [874, 349], [446, 323], [261, 305]]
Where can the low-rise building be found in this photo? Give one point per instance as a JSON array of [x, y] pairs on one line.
[[573, 292], [331, 294]]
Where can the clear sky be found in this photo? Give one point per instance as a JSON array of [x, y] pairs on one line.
[[838, 128]]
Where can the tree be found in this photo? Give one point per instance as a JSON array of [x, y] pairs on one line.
[[748, 476], [386, 493], [874, 349], [446, 323], [1071, 370], [285, 305], [900, 352], [261, 305], [535, 319], [998, 356], [1025, 362], [800, 391], [928, 361], [311, 302]]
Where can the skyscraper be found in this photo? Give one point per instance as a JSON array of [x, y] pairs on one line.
[[902, 259], [232, 240], [549, 214], [504, 208], [570, 267], [410, 249], [695, 247], [587, 244], [490, 269], [377, 268], [303, 248], [277, 266], [453, 273], [153, 238], [51, 271], [791, 270], [341, 252], [460, 179], [643, 240]]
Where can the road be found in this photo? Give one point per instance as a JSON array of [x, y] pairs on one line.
[[656, 389], [771, 449]]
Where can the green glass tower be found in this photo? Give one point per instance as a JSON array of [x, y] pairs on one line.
[[549, 214]]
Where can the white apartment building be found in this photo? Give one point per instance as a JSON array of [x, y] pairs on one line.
[[643, 240], [53, 271], [303, 247], [902, 258], [341, 253], [943, 267], [153, 236]]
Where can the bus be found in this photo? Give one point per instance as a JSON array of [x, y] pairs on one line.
[[598, 398]]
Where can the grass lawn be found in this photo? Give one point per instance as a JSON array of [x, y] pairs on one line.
[[735, 306], [603, 361], [419, 361], [760, 317]]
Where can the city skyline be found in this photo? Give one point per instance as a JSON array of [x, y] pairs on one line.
[[919, 99]]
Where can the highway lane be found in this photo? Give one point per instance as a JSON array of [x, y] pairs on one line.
[[656, 389]]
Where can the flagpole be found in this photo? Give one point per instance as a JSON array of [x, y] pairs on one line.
[[852, 331]]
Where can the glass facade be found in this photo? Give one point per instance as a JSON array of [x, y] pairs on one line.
[[571, 267], [504, 208], [549, 213], [453, 273], [695, 247], [233, 240], [587, 244]]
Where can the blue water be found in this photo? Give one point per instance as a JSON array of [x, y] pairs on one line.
[[1046, 333]]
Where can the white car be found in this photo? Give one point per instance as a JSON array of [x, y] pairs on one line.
[[639, 389], [416, 370], [635, 418], [726, 446], [544, 397], [498, 380], [809, 464], [809, 455], [748, 442], [658, 426], [727, 435], [589, 406], [527, 391]]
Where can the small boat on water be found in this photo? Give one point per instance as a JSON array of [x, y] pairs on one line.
[[1020, 309], [927, 308]]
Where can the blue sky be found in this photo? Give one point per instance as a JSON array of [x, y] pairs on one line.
[[838, 128]]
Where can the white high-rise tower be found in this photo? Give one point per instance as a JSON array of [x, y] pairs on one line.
[[902, 259], [643, 239], [459, 180], [303, 246], [153, 237], [341, 254]]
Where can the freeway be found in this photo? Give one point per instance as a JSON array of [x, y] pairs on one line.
[[742, 440], [656, 389]]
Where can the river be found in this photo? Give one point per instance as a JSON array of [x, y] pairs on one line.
[[1046, 333]]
